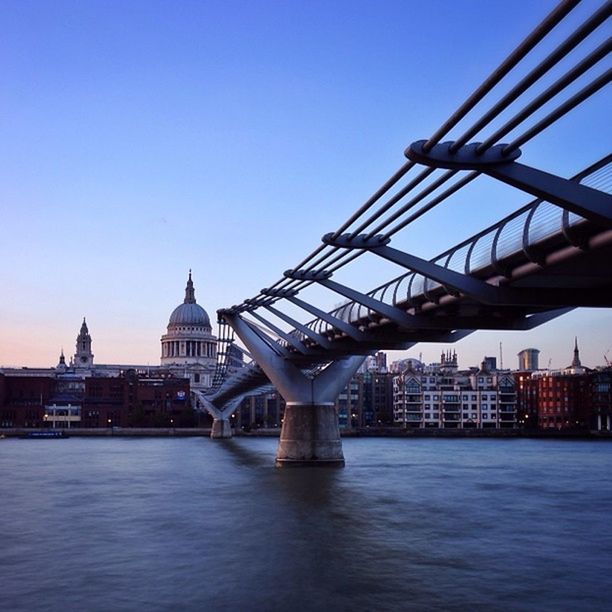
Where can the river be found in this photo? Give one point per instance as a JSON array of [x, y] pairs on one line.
[[195, 524]]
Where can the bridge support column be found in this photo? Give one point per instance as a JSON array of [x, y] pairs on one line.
[[310, 434], [221, 428]]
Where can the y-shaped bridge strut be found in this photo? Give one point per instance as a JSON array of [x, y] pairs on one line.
[[310, 433]]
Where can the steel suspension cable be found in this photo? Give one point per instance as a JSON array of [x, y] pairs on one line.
[[346, 256], [604, 49], [542, 68], [374, 198], [563, 109], [553, 18], [413, 201], [432, 203], [394, 200]]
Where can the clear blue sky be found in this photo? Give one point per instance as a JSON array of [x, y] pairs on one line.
[[141, 139]]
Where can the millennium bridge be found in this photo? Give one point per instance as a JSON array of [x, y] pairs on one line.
[[548, 257]]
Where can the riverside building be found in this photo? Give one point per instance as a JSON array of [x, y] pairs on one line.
[[570, 398], [84, 393], [441, 396]]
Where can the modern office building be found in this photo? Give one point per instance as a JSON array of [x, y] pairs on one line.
[[528, 359]]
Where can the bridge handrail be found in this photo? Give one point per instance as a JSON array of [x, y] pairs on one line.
[[534, 223]]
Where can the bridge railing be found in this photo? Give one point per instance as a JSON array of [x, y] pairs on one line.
[[521, 232]]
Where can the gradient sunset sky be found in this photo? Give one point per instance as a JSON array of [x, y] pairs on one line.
[[144, 138]]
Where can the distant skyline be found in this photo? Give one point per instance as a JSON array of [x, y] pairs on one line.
[[145, 138], [427, 352]]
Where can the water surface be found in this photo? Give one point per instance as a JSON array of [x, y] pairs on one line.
[[194, 524]]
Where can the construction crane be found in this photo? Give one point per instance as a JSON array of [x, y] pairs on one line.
[[608, 363]]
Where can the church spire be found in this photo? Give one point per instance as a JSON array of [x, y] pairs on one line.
[[576, 362], [189, 291]]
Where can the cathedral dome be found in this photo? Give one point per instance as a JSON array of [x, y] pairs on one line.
[[188, 348], [189, 312]]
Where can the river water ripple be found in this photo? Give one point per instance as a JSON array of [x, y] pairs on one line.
[[194, 524]]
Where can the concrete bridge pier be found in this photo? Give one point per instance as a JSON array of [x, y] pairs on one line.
[[221, 427], [310, 434]]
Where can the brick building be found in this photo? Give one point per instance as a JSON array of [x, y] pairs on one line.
[[563, 400], [526, 400], [572, 398], [566, 400], [22, 400], [136, 400], [65, 402]]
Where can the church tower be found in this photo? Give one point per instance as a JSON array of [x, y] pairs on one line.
[[83, 358]]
